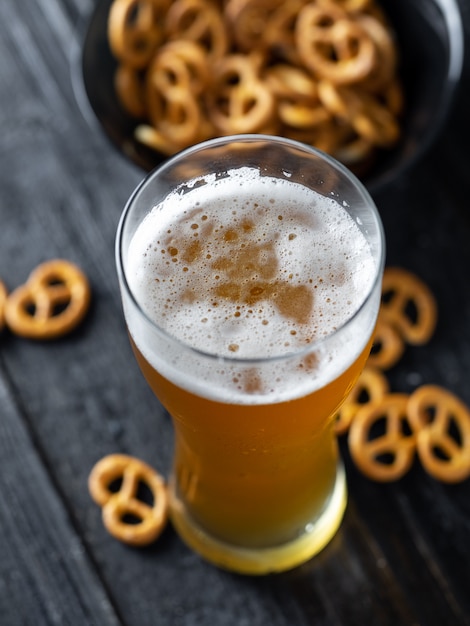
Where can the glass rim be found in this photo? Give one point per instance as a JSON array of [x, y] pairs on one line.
[[247, 138]]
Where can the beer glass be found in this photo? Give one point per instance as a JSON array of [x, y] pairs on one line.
[[250, 270]]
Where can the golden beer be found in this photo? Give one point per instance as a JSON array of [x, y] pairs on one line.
[[251, 299]]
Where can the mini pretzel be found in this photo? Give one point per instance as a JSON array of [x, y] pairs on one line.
[[332, 46], [182, 63], [125, 502], [172, 107], [401, 289], [239, 102], [51, 303], [371, 385], [3, 299], [388, 346], [135, 29], [433, 413], [198, 21], [368, 451]]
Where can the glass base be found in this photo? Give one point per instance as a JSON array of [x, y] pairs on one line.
[[266, 560]]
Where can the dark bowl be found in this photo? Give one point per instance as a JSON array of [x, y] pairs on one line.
[[431, 42]]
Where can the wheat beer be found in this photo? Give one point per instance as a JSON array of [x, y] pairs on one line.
[[251, 300]]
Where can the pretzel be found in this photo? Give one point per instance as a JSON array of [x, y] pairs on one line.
[[239, 102], [332, 46], [184, 63], [3, 298], [434, 412], [135, 29], [172, 108], [369, 453], [51, 303], [400, 289], [198, 21], [117, 505], [371, 386], [388, 346]]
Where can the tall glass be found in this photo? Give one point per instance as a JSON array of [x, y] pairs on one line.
[[250, 269]]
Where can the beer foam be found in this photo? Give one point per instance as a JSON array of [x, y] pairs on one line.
[[249, 267]]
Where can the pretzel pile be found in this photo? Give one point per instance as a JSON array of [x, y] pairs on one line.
[[387, 430], [323, 72]]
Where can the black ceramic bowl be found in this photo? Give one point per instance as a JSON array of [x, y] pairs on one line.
[[430, 39]]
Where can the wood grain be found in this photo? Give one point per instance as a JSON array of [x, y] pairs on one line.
[[402, 555]]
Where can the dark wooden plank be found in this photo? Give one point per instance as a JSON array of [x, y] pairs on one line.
[[46, 576]]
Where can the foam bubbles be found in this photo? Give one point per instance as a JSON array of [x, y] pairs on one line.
[[249, 267]]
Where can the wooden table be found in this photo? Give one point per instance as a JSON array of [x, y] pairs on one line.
[[402, 556]]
